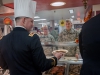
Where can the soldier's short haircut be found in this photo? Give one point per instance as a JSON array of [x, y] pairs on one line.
[[68, 21], [45, 26], [18, 18]]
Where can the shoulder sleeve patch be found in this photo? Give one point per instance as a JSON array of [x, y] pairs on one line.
[[31, 34]]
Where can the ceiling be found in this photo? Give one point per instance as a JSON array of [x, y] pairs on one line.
[[59, 14], [56, 15], [45, 11], [45, 4]]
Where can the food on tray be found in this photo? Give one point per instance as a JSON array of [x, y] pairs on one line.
[[58, 70], [54, 69], [74, 69], [59, 73], [53, 72]]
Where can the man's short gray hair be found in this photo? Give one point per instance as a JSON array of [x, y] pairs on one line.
[[68, 21], [17, 18]]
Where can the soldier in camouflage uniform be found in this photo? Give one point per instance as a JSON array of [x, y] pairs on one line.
[[67, 35], [47, 38], [55, 34]]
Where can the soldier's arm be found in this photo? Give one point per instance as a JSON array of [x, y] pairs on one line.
[[77, 34], [53, 40], [38, 56], [77, 48], [60, 38]]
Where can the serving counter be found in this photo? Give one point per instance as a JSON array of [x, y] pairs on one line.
[[72, 43], [66, 65], [50, 46], [72, 66]]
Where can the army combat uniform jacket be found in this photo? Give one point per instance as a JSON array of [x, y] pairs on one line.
[[47, 39], [67, 36]]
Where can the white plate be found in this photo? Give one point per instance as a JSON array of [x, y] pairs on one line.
[[62, 50]]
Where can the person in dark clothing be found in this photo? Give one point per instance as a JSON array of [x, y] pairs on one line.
[[89, 43], [80, 44], [20, 51]]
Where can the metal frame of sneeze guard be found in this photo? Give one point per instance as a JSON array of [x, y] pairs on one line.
[[72, 62]]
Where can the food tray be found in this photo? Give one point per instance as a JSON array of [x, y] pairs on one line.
[[58, 70], [74, 67]]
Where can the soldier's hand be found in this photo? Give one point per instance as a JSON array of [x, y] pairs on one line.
[[77, 56], [58, 55], [46, 43]]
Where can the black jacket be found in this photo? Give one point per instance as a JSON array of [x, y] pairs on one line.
[[90, 46], [22, 53]]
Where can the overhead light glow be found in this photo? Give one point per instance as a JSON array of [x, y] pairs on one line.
[[39, 19], [42, 23], [71, 20], [58, 4], [36, 17], [56, 24], [72, 16], [71, 11]]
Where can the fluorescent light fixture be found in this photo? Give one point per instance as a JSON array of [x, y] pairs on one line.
[[42, 23], [71, 20], [56, 24], [39, 19], [36, 17], [48, 23], [71, 11], [72, 16], [45, 23], [58, 4]]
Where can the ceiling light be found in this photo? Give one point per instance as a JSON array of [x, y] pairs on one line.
[[36, 17], [72, 16], [42, 23], [71, 11], [71, 20], [39, 19], [56, 24], [58, 4]]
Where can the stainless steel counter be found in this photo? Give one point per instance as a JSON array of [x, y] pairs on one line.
[[60, 44], [69, 61]]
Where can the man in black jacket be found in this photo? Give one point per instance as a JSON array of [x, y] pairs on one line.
[[21, 52], [89, 43]]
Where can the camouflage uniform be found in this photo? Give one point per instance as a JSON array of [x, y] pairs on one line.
[[67, 36], [47, 38], [55, 34]]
